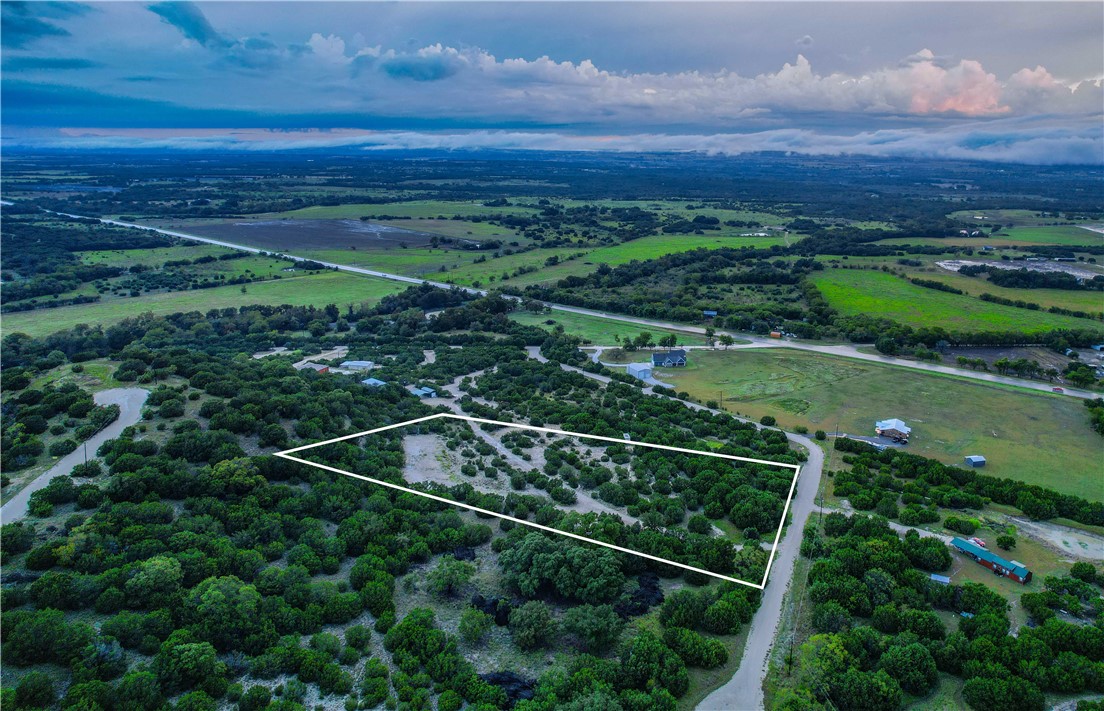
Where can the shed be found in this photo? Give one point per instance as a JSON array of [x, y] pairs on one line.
[[892, 428], [709, 314], [941, 579], [423, 392], [373, 382], [1008, 568], [975, 460], [358, 365], [775, 334], [642, 371]]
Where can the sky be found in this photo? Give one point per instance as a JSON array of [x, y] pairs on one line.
[[1001, 81]]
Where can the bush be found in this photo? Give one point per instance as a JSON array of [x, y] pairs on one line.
[[532, 626], [821, 435], [768, 421], [474, 625], [965, 526], [35, 691], [1006, 542]]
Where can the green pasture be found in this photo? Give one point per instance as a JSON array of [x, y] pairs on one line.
[[414, 209], [153, 257], [1091, 301], [599, 331], [316, 290], [1026, 435], [874, 293], [640, 249]]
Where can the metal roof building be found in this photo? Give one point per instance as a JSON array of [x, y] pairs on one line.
[[975, 460], [1008, 568], [640, 370]]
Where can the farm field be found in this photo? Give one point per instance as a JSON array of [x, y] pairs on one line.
[[641, 249], [413, 209], [596, 330], [316, 290], [1035, 437], [878, 294], [1091, 301]]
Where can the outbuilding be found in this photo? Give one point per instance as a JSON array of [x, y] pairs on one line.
[[643, 371], [975, 460], [316, 367], [709, 314], [358, 365], [373, 382], [423, 392], [1012, 569]]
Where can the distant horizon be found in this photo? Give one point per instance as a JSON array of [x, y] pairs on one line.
[[874, 78]]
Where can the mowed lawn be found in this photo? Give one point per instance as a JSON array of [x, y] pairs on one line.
[[1031, 436], [856, 292], [313, 290], [600, 331]]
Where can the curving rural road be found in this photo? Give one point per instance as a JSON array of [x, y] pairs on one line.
[[129, 400]]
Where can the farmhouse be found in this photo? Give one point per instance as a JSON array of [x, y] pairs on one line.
[[892, 428], [642, 371], [358, 365], [316, 367], [373, 382], [1008, 568], [670, 359], [975, 460]]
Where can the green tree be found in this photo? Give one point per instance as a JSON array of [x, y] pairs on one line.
[[597, 628], [155, 583], [912, 666], [474, 625], [532, 626], [35, 691], [449, 575]]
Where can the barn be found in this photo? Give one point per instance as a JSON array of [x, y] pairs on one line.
[[892, 428], [1008, 568], [643, 371]]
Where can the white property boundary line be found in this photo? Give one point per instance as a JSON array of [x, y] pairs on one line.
[[287, 454]]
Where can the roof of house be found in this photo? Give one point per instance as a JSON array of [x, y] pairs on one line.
[[677, 354], [978, 552], [314, 366], [357, 364], [423, 391], [893, 424], [373, 382]]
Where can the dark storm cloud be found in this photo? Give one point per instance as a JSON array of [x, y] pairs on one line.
[[22, 23], [190, 20], [22, 64]]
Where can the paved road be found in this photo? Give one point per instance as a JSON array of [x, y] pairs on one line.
[[129, 400], [844, 351], [745, 689]]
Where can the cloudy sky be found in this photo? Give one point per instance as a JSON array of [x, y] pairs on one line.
[[1006, 81]]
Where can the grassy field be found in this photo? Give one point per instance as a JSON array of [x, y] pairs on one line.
[[1031, 436], [153, 257], [873, 293], [414, 209], [642, 249], [316, 290], [453, 228], [596, 330], [1091, 301]]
